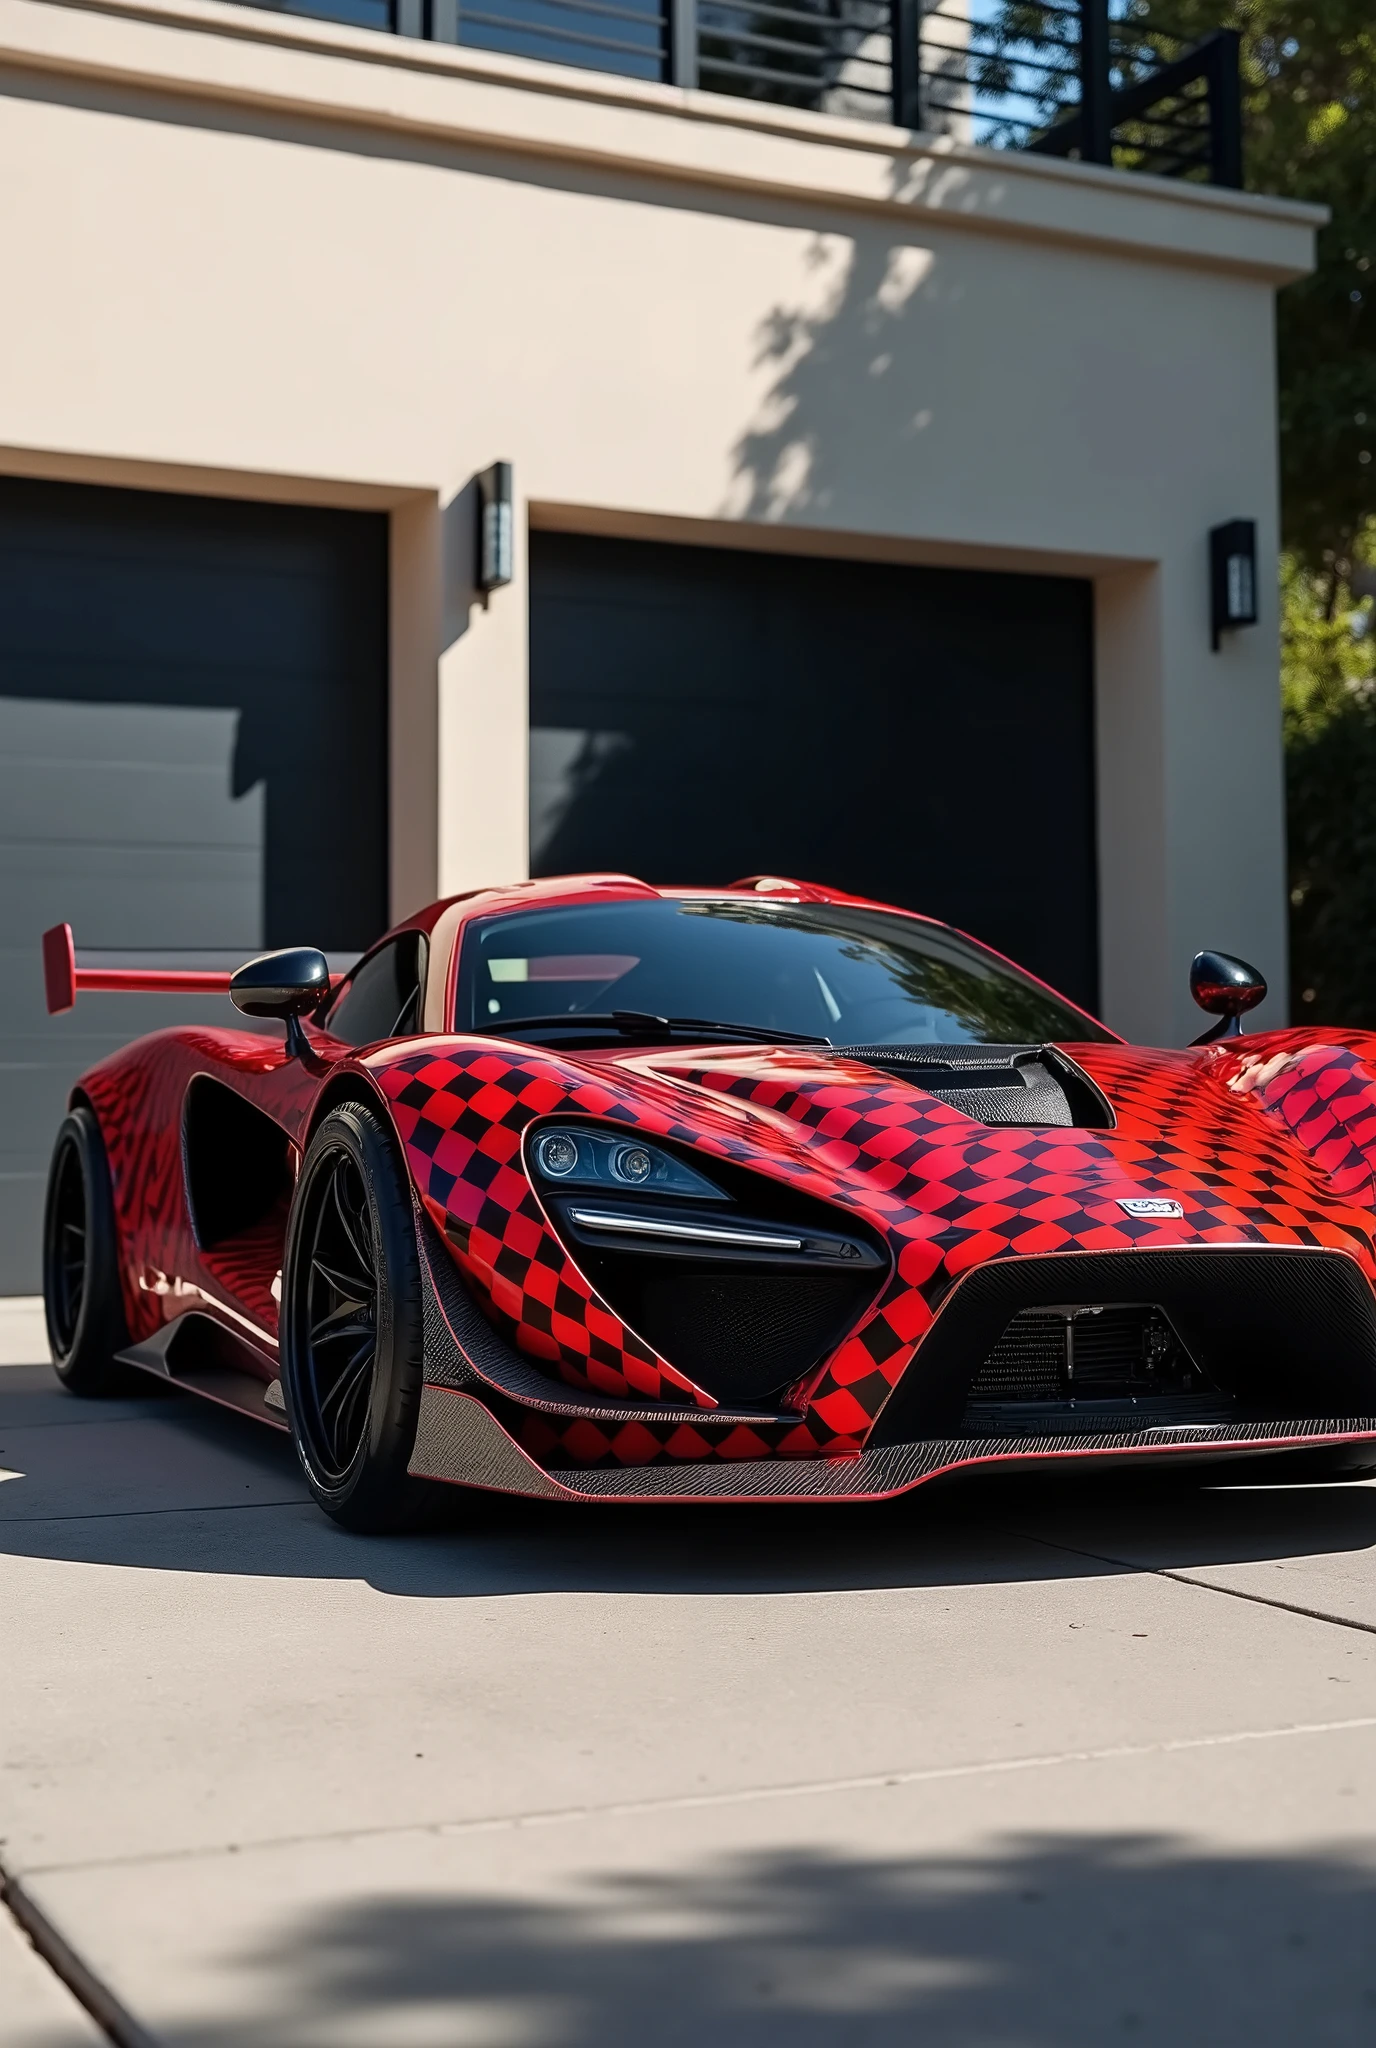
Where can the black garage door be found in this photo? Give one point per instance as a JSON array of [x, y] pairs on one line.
[[193, 765], [924, 736]]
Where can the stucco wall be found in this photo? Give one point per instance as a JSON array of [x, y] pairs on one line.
[[246, 254]]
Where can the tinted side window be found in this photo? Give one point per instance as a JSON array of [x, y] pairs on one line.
[[382, 997]]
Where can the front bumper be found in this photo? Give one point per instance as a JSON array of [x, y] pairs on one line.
[[459, 1440], [482, 1401]]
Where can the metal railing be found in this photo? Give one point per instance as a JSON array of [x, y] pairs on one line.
[[1089, 79]]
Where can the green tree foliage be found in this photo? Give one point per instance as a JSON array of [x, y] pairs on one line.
[[1309, 111], [1309, 120], [1309, 68], [1328, 681], [1309, 114]]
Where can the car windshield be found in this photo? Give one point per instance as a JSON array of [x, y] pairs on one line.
[[854, 976]]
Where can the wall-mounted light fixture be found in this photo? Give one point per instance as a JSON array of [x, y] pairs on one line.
[[1232, 577], [495, 527]]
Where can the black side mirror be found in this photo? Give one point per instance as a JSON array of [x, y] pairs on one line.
[[288, 985], [1225, 987]]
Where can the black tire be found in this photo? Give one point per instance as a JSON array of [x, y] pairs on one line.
[[81, 1290], [352, 1329]]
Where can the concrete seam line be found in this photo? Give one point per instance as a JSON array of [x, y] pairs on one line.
[[80, 1421], [1366, 1628], [62, 1959], [1161, 1571], [225, 1507], [749, 1795]]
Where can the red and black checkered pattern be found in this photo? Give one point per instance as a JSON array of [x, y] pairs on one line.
[[1326, 1095], [556, 1444], [461, 1120], [948, 1193]]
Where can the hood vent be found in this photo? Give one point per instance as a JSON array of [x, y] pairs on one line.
[[1018, 1085]]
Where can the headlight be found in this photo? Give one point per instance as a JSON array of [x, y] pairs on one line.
[[557, 1154], [600, 1159]]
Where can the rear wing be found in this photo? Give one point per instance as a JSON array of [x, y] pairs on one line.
[[63, 980]]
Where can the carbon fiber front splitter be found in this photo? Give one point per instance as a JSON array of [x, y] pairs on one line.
[[460, 1440]]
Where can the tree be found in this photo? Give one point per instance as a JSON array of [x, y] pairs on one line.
[[1309, 111], [1328, 685]]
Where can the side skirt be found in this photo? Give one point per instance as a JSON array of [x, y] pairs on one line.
[[198, 1353]]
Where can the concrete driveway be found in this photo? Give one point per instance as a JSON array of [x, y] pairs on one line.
[[1021, 1767]]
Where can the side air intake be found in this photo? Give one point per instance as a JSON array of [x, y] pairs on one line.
[[745, 1292]]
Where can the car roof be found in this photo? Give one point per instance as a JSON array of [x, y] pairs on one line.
[[546, 890]]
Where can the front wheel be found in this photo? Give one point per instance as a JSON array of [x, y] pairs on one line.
[[352, 1331], [81, 1291]]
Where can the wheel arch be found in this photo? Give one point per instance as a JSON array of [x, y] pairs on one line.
[[353, 1084], [367, 1485]]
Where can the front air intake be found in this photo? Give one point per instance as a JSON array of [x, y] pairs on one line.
[[1277, 1331], [743, 1336], [1089, 1366]]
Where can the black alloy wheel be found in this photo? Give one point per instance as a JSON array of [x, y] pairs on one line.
[[81, 1290], [352, 1330], [335, 1388]]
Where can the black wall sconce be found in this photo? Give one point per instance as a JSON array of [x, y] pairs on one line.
[[1232, 577], [495, 524]]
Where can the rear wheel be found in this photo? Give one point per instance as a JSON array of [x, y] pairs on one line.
[[352, 1331], [81, 1290]]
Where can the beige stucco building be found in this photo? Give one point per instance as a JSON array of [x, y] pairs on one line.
[[267, 262]]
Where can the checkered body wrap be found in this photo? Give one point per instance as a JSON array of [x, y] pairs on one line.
[[1265, 1140]]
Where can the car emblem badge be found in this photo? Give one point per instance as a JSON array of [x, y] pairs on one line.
[[1149, 1205]]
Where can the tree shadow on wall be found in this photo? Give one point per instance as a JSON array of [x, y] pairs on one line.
[[851, 370], [914, 384], [1042, 1942]]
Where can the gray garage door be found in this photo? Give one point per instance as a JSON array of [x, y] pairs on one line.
[[923, 736], [193, 766]]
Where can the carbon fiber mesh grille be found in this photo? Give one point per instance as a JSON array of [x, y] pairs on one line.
[[1053, 1366], [1027, 1363], [1051, 1354]]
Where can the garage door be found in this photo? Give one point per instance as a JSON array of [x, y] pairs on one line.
[[193, 767], [922, 736]]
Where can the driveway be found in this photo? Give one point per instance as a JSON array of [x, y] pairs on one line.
[[1004, 1765]]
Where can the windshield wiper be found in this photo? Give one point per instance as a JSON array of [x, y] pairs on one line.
[[642, 1024], [763, 1034]]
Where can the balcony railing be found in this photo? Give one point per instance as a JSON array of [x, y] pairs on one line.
[[1073, 78]]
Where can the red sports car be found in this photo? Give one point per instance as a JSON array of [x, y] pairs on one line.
[[597, 1191]]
